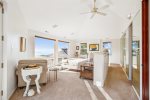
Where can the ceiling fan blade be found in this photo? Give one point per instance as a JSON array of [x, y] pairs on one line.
[[85, 13], [101, 13], [92, 15], [104, 7]]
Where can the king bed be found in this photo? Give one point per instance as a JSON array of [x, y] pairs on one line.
[[74, 63]]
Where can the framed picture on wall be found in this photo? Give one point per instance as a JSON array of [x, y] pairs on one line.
[[93, 47], [83, 49], [77, 47], [108, 45]]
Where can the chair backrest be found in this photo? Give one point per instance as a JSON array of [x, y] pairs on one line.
[[91, 57]]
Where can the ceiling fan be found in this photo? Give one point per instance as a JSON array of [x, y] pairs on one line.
[[95, 10]]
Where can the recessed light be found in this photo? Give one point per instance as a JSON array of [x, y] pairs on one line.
[[55, 25], [72, 34], [46, 31]]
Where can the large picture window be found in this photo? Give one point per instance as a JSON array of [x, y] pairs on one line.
[[44, 47]]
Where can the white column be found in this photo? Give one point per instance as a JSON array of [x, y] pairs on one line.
[[56, 52]]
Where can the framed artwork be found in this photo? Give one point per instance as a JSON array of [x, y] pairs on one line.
[[83, 50], [77, 47], [83, 45], [108, 45], [93, 47], [135, 47], [22, 44]]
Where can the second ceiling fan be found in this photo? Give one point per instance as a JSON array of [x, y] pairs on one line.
[[96, 11]]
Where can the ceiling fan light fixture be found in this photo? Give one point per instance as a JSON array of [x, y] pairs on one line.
[[95, 10]]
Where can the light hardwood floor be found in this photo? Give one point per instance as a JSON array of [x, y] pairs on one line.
[[117, 85]]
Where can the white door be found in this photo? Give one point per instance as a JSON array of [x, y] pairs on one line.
[[1, 51]]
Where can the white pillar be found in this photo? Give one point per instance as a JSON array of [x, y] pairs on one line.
[[56, 52]]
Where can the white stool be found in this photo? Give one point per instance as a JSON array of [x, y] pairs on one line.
[[26, 72]]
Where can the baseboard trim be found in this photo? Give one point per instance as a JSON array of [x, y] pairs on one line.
[[125, 73], [131, 83], [93, 96], [105, 94], [135, 92], [12, 93]]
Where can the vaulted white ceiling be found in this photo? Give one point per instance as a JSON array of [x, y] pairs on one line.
[[43, 15]]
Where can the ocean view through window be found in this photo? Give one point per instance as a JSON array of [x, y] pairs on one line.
[[44, 47], [63, 48]]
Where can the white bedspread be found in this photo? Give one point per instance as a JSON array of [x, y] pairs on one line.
[[74, 63]]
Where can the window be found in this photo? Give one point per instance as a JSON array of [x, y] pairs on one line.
[[63, 48], [44, 47], [107, 45]]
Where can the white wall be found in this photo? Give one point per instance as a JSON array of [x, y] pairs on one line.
[[14, 27], [115, 57]]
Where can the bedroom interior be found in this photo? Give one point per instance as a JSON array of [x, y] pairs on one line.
[[72, 50]]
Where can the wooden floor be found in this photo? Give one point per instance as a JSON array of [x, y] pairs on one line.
[[118, 86], [70, 87], [136, 79]]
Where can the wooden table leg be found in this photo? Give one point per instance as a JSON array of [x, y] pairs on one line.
[[56, 75]]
